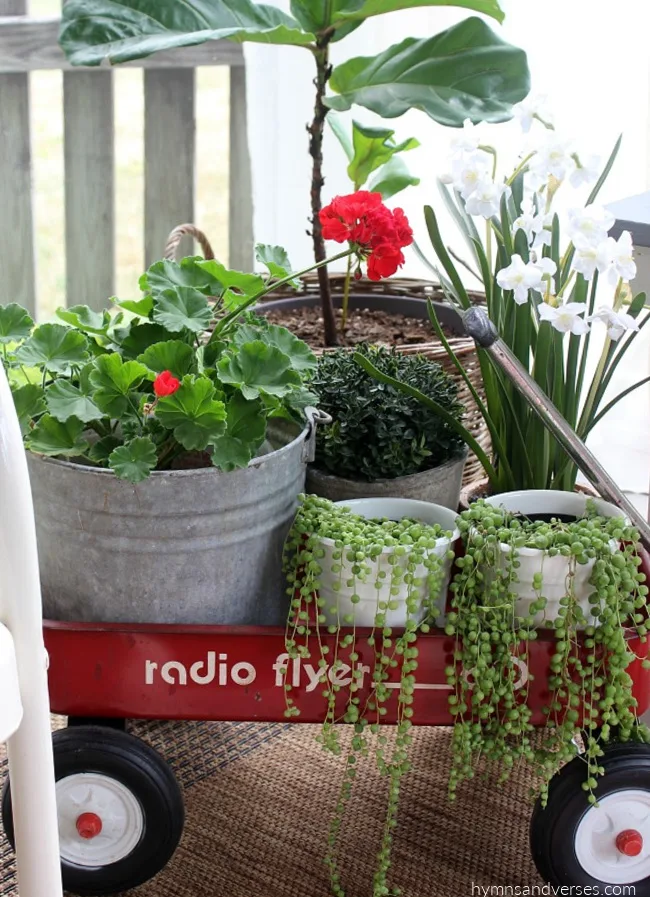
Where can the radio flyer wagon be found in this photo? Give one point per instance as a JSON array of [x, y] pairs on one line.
[[120, 811]]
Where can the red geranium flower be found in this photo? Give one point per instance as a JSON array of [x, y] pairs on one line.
[[165, 384], [374, 231]]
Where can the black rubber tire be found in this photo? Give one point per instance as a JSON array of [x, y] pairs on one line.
[[139, 767], [553, 829]]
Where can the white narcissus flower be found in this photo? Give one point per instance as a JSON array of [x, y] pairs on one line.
[[617, 321], [622, 256], [485, 200], [534, 106], [590, 257], [470, 170], [552, 158], [586, 171], [592, 222], [520, 276], [467, 140], [565, 318]]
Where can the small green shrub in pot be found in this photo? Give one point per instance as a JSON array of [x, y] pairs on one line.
[[382, 442]]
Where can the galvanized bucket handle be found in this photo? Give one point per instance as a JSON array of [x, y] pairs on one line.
[[314, 417]]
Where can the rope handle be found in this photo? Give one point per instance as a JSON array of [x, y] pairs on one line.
[[174, 239]]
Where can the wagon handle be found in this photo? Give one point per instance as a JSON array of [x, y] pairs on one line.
[[482, 330], [191, 230]]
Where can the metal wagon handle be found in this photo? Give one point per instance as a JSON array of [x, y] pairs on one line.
[[478, 325], [183, 230]]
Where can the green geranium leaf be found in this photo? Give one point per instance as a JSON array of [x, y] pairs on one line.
[[65, 401], [193, 413], [245, 432], [120, 30], [140, 307], [113, 379], [362, 9], [54, 347], [30, 403], [172, 355], [100, 451], [51, 437], [300, 355], [167, 275], [373, 147], [464, 72], [276, 260], [236, 286], [85, 319], [258, 368], [392, 178], [134, 339], [183, 308], [134, 460], [15, 323]]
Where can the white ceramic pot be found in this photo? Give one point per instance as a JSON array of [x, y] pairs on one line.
[[554, 570], [338, 604]]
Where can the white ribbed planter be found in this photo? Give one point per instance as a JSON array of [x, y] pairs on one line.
[[338, 604], [554, 570]]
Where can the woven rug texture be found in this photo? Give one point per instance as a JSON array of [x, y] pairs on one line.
[[259, 797]]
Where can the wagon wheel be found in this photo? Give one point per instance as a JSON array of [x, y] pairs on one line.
[[608, 845], [120, 810]]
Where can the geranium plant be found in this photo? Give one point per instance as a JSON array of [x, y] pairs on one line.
[[590, 697], [545, 272], [184, 375], [346, 571], [420, 73]]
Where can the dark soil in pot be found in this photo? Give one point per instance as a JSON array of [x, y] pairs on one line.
[[364, 325]]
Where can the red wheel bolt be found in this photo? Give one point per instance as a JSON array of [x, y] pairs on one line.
[[89, 825], [629, 842]]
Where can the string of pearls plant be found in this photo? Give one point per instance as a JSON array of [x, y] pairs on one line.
[[590, 691], [331, 555]]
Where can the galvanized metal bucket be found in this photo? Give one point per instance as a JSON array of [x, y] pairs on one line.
[[184, 546], [440, 485]]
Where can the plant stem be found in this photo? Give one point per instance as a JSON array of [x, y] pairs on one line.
[[346, 295], [316, 130]]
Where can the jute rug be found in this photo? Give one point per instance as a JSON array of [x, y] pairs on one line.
[[258, 801]]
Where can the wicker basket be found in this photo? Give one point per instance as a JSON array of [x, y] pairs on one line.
[[399, 286]]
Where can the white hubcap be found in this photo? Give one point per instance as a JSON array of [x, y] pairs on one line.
[[595, 842], [118, 810]]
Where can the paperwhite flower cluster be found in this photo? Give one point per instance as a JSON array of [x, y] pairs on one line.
[[550, 162]]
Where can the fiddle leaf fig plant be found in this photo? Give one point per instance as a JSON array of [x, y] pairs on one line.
[[464, 72]]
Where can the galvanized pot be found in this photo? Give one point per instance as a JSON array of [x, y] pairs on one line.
[[440, 485], [184, 546]]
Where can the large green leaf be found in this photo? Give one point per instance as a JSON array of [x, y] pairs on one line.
[[183, 308], [372, 148], [172, 355], [85, 319], [121, 30], [100, 451], [113, 380], [300, 355], [135, 339], [29, 403], [363, 9], [245, 432], [258, 368], [53, 347], [134, 460], [64, 400], [318, 15], [392, 178], [237, 287], [15, 323], [276, 260], [167, 274], [464, 72], [51, 437], [193, 413]]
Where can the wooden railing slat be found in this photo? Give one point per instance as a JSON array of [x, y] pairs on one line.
[[89, 187], [29, 44], [240, 222], [17, 256], [169, 151]]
